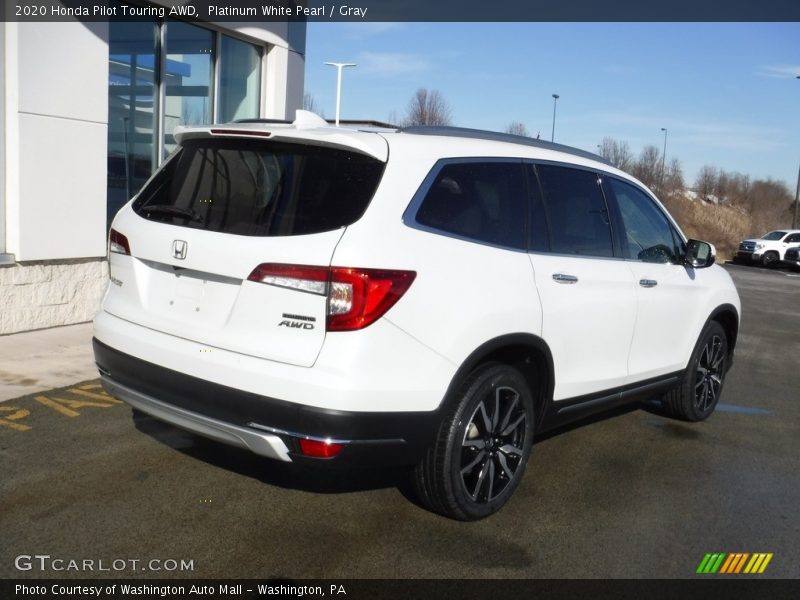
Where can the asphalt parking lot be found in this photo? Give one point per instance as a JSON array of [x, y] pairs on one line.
[[630, 495]]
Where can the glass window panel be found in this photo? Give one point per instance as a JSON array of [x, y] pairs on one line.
[[187, 77], [131, 97], [648, 234], [249, 187], [239, 80], [576, 211], [484, 202]]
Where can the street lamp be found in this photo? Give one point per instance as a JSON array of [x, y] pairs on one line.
[[339, 67], [663, 158], [553, 133], [796, 195]]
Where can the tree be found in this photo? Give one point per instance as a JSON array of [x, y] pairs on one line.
[[673, 179], [706, 181], [428, 108], [617, 153], [517, 128], [648, 168]]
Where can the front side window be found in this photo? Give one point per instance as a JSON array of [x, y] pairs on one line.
[[649, 237], [576, 211], [481, 201], [257, 188]]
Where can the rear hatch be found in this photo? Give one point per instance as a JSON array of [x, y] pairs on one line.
[[220, 209]]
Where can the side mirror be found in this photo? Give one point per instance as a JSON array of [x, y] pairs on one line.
[[700, 254]]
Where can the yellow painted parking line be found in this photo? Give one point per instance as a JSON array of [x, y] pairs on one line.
[[102, 396], [8, 420], [69, 404], [91, 386], [67, 412]]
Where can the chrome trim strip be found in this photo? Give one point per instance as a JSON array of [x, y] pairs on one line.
[[294, 434], [270, 446]]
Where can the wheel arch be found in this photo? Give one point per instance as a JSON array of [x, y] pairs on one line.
[[727, 316], [529, 354]]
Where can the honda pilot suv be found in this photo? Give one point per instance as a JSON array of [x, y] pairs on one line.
[[430, 297]]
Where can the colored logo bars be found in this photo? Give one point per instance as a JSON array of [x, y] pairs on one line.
[[734, 563]]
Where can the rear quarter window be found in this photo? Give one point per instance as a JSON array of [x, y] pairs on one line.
[[480, 201], [258, 188]]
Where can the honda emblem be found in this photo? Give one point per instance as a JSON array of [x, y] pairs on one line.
[[179, 249]]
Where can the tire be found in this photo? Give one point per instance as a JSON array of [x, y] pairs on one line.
[[697, 395], [482, 446], [770, 259]]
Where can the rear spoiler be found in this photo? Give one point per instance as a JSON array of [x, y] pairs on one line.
[[308, 128]]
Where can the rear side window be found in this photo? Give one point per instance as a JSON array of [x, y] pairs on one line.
[[576, 211], [481, 201], [258, 188]]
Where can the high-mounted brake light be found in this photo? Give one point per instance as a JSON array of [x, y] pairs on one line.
[[356, 297], [243, 132], [118, 243]]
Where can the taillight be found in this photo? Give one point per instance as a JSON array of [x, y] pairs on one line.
[[313, 280], [356, 297], [359, 297], [118, 243]]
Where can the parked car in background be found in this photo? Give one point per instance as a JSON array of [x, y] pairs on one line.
[[769, 249], [430, 297], [792, 258]]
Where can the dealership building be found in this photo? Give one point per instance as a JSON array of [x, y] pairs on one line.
[[87, 111]]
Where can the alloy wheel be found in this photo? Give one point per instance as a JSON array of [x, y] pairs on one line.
[[710, 372], [493, 445]]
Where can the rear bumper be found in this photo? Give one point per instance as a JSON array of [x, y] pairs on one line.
[[266, 426]]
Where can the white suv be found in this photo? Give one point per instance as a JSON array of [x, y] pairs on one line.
[[431, 297]]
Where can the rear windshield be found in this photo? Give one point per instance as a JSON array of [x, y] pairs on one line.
[[257, 188]]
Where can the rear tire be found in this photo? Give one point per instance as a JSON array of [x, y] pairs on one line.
[[697, 395], [482, 447]]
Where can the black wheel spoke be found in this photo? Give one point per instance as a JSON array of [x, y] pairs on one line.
[[501, 459], [509, 411], [468, 468]]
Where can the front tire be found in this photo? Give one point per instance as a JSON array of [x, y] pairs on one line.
[[769, 260], [698, 394], [482, 447]]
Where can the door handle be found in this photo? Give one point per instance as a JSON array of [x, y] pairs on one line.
[[648, 283], [564, 278]]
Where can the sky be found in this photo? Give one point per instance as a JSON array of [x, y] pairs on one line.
[[727, 93]]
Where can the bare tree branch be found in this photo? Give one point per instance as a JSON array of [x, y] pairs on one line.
[[428, 108]]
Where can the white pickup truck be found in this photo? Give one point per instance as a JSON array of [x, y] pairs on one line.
[[768, 249]]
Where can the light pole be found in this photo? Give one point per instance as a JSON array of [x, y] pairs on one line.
[[553, 133], [339, 67], [796, 195], [663, 158]]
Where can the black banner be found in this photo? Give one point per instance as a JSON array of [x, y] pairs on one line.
[[733, 588], [402, 10]]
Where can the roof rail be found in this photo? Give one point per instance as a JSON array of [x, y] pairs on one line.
[[496, 136], [365, 123]]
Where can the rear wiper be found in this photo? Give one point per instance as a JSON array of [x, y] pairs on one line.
[[177, 211]]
